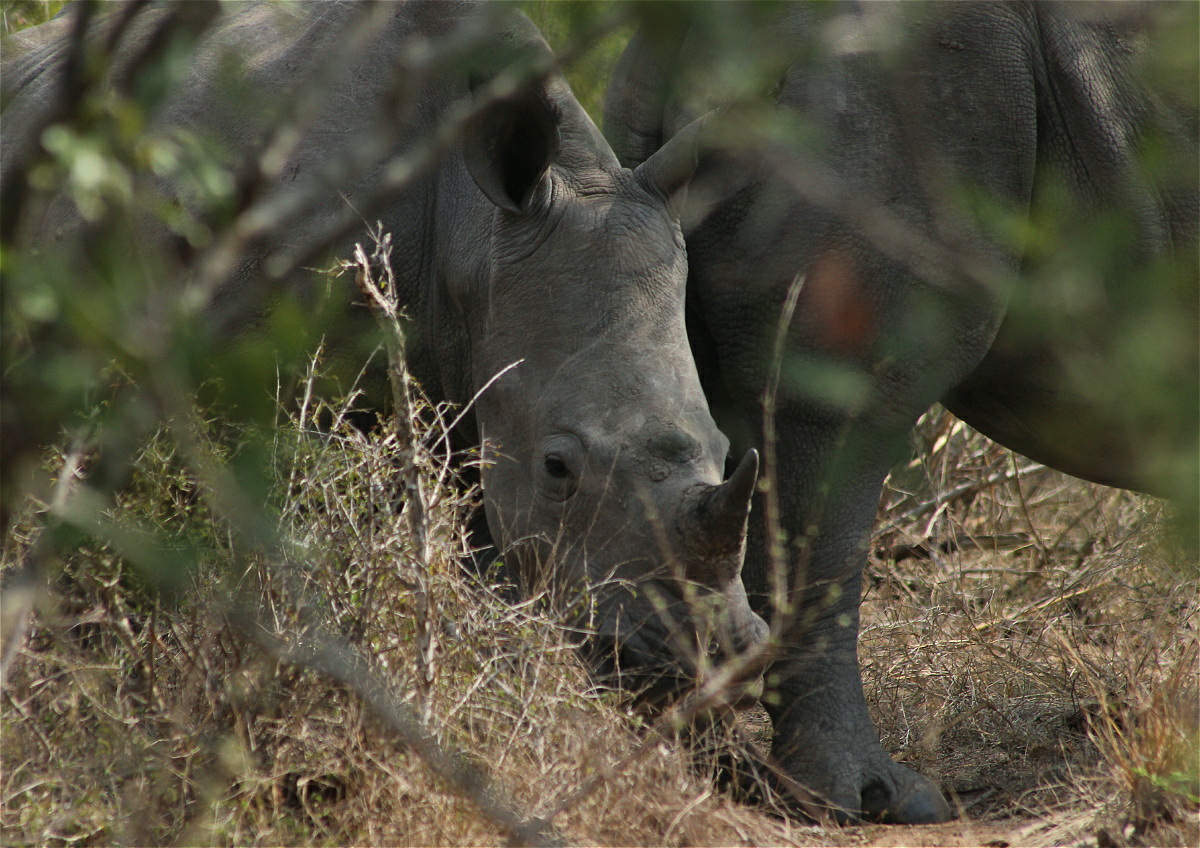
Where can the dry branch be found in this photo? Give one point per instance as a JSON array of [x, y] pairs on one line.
[[959, 492], [377, 282]]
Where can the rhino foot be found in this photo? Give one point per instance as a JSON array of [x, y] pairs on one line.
[[852, 789], [834, 763], [905, 798]]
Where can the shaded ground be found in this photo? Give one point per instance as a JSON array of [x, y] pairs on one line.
[[1030, 642]]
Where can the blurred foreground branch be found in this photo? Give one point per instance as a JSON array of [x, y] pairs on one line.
[[338, 660]]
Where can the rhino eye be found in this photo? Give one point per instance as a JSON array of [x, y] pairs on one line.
[[561, 461]]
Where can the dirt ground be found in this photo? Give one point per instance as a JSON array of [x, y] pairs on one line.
[[1031, 645]]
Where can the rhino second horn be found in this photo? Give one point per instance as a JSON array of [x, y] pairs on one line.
[[669, 170], [722, 514]]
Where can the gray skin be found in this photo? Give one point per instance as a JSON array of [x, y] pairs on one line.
[[527, 243], [1033, 107]]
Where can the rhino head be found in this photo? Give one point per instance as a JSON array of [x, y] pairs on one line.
[[602, 467]]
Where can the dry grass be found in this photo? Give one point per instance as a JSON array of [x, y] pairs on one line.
[[1049, 683], [136, 718], [1032, 645]]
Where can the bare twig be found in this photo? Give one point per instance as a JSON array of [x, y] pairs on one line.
[[1039, 542], [962, 490], [377, 281]]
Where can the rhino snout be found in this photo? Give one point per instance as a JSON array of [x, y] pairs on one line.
[[746, 628], [713, 528]]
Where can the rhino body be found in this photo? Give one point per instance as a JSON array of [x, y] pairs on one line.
[[922, 125], [526, 247]]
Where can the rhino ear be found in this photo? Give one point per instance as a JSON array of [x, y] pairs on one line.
[[670, 169], [510, 148]]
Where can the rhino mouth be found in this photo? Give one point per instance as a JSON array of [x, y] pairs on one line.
[[657, 655]]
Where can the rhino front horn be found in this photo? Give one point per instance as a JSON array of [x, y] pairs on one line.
[[722, 514]]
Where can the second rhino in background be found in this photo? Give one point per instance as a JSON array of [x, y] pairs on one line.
[[906, 148]]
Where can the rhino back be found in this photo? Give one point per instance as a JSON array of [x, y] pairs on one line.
[[248, 74], [1094, 368]]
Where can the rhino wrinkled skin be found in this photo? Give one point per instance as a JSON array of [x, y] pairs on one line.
[[911, 108], [527, 243]]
